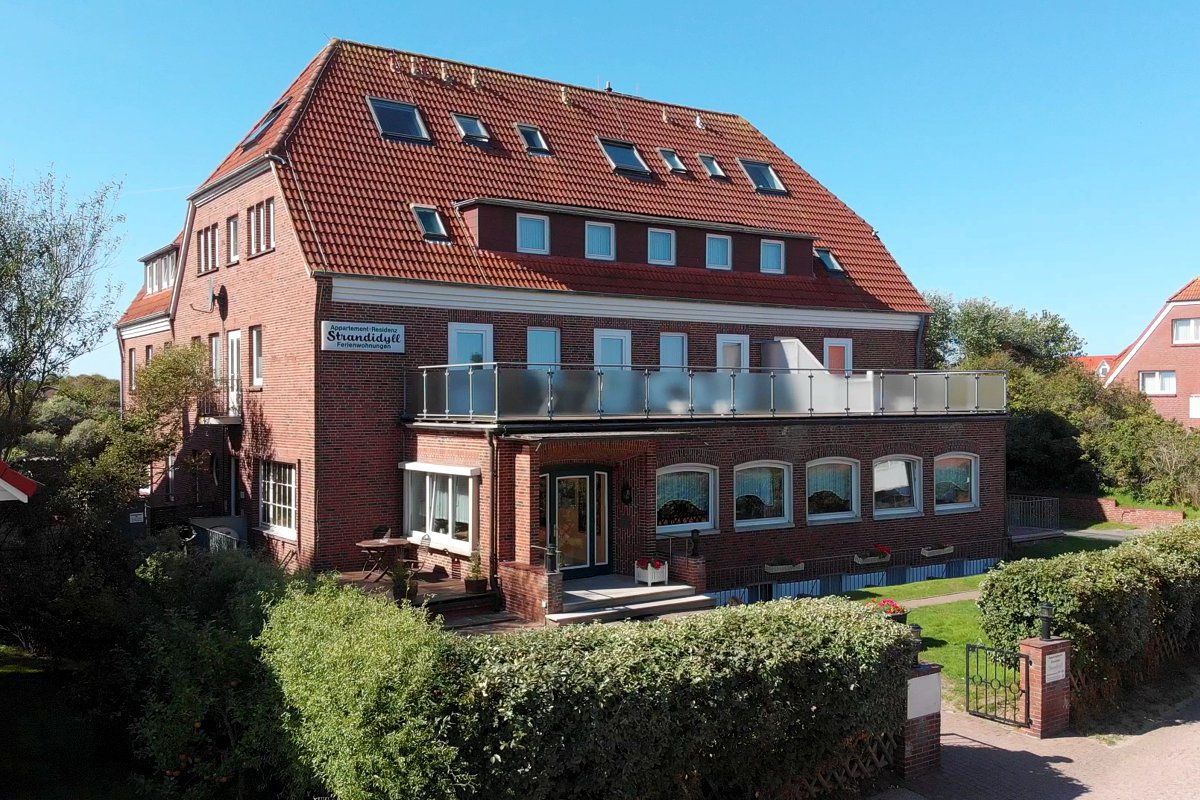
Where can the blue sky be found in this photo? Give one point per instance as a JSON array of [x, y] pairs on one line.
[[1040, 154]]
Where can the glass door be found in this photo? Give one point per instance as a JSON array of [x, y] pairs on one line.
[[234, 360], [575, 506]]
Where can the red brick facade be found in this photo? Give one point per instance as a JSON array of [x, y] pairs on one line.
[[1156, 351]]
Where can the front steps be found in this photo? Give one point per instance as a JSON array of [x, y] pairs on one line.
[[612, 598]]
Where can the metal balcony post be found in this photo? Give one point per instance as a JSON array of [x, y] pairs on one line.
[[947, 377], [846, 384], [496, 390], [810, 394], [733, 392], [691, 393], [977, 376], [646, 391], [771, 383], [446, 377], [470, 393], [600, 393], [550, 393], [424, 392], [916, 394]]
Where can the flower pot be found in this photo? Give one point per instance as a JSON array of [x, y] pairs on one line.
[[649, 575], [776, 569], [406, 590], [929, 552], [475, 585], [879, 559], [901, 617]]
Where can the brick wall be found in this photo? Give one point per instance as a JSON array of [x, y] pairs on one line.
[[524, 588], [1104, 509], [1160, 353]]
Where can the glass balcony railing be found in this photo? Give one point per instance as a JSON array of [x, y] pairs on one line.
[[529, 392]]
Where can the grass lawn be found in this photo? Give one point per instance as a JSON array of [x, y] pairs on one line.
[[1106, 526], [1049, 548], [48, 753], [1129, 501], [946, 630]]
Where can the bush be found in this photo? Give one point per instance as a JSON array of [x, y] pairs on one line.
[[723, 704]]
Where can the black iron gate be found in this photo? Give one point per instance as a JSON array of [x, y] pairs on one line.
[[998, 684]]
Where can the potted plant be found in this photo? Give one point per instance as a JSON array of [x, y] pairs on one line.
[[782, 564], [878, 554], [889, 608], [475, 581], [937, 549], [650, 570], [404, 583]]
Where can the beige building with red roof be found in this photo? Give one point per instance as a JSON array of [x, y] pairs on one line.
[[567, 330]]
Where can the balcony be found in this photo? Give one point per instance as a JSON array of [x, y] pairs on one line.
[[223, 405], [492, 392]]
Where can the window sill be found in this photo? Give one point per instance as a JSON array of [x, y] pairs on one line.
[[1161, 394], [253, 256], [939, 512], [767, 525], [277, 533], [441, 542], [686, 534], [233, 263], [725, 268], [258, 388], [813, 523], [533, 252], [905, 514]]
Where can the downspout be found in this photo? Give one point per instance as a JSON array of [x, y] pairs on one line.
[[494, 560]]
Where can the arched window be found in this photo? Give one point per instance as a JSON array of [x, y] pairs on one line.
[[832, 489], [956, 482], [896, 483], [762, 492], [687, 498]]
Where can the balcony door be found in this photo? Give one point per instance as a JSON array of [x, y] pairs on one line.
[[613, 349], [574, 509], [470, 343], [234, 362]]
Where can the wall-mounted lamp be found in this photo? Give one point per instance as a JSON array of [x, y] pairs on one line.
[[626, 493]]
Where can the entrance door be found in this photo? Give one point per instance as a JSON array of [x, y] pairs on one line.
[[575, 505], [234, 359]]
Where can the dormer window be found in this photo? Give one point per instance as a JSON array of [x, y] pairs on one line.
[[711, 166], [430, 220], [399, 120], [672, 160], [763, 176], [535, 142], [264, 124], [472, 128], [830, 261], [624, 156]]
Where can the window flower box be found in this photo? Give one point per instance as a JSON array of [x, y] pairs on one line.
[[779, 569], [937, 550], [878, 554], [650, 571]]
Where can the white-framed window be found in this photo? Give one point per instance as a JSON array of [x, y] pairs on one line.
[[398, 120], [623, 156], [470, 343], [543, 348], [1185, 331], [770, 256], [673, 352], [762, 494], [1194, 406], [763, 176], [256, 356], [672, 160], [718, 252], [207, 249], [955, 482], [600, 240], [152, 277], [832, 489], [686, 498], [660, 246], [839, 355], [442, 502], [277, 498], [533, 234], [733, 352], [1160, 381], [132, 366], [896, 482], [260, 227], [149, 353], [429, 219], [613, 348], [829, 260], [471, 128], [232, 242], [1102, 371], [711, 166], [535, 142]]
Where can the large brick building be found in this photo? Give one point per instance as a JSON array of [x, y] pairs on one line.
[[563, 328]]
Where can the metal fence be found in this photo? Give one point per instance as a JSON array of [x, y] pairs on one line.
[[224, 401], [997, 684], [1028, 511]]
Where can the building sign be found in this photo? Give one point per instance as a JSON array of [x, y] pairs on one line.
[[1056, 667], [137, 518], [362, 337]]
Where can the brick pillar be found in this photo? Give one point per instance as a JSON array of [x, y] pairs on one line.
[[921, 740], [1049, 684]]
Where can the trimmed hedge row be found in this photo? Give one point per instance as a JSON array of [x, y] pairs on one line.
[[384, 704], [1111, 603]]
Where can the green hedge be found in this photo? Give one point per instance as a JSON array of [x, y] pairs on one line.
[[741, 699], [1111, 603]]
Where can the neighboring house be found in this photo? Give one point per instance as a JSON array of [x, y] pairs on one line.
[[560, 327], [1164, 361], [1101, 365], [14, 486]]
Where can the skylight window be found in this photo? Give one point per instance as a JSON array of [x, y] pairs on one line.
[[624, 156], [265, 124], [711, 166], [535, 142], [673, 162], [471, 128], [399, 120], [763, 176], [830, 261], [430, 220]]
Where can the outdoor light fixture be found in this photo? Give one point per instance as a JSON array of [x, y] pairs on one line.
[[1046, 613], [626, 493], [916, 634]]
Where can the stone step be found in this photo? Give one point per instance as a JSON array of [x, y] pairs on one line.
[[582, 599], [653, 608]]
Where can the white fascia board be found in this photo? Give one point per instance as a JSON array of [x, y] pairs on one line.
[[443, 469], [145, 327], [8, 492], [393, 292], [1113, 373]]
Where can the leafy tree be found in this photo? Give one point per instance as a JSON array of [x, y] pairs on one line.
[[52, 305]]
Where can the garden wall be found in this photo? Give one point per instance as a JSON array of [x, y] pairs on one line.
[[1103, 509]]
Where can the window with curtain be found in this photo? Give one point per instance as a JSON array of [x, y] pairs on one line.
[[598, 237], [771, 256], [761, 493], [686, 498], [1157, 382], [661, 244], [533, 234], [442, 506], [897, 486], [955, 484], [832, 489]]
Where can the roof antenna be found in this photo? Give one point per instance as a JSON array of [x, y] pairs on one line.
[[564, 95], [445, 70], [700, 122], [608, 86]]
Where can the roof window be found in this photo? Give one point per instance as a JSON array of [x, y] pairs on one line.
[[711, 166], [471, 128], [624, 156], [430, 220], [763, 176], [829, 260], [399, 120], [265, 123], [673, 162], [535, 142]]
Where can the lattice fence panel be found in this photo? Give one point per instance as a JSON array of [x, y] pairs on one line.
[[1097, 687], [864, 758]]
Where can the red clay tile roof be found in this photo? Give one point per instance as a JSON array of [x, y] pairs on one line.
[[1092, 363], [24, 485], [1189, 292], [354, 187], [146, 305]]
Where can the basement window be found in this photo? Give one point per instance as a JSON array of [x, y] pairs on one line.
[[763, 176], [673, 162], [711, 166], [535, 142], [430, 220], [398, 120], [624, 156], [830, 260], [472, 128], [265, 123]]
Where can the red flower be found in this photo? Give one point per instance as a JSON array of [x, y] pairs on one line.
[[657, 563], [642, 563], [887, 551], [887, 606]]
